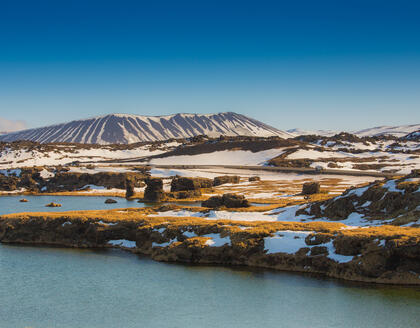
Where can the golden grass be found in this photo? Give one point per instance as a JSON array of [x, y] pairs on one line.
[[257, 228]]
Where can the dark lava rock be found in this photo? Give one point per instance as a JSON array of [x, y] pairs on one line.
[[233, 200], [185, 194], [310, 188], [213, 202], [228, 200], [184, 184], [110, 201], [70, 181], [154, 190], [252, 179], [225, 179], [29, 183], [8, 183], [129, 188]]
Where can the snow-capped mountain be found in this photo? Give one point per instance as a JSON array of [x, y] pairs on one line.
[[125, 128], [397, 131]]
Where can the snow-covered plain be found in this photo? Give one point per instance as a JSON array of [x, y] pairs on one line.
[[226, 157], [61, 156]]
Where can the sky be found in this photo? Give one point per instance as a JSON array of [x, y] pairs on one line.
[[339, 65]]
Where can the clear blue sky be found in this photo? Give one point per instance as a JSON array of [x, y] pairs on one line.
[[339, 65]]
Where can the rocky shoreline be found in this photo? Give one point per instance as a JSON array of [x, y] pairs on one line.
[[384, 254]]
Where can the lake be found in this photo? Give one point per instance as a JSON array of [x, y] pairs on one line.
[[69, 288], [11, 204]]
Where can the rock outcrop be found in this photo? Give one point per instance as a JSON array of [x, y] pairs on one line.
[[8, 183], [185, 194], [110, 201], [397, 200], [60, 180], [227, 200], [226, 179], [154, 190], [310, 188], [129, 187], [185, 184], [70, 181]]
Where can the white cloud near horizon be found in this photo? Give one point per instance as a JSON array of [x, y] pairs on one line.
[[11, 126]]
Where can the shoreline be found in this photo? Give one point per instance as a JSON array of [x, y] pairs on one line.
[[384, 255], [239, 267]]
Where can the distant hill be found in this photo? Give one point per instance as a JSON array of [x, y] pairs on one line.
[[396, 131], [415, 136], [300, 132], [126, 128]]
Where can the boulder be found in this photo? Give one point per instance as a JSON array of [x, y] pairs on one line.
[[253, 179], [110, 201], [213, 202], [233, 201], [184, 184], [225, 179], [310, 188], [23, 200], [53, 205], [154, 190]]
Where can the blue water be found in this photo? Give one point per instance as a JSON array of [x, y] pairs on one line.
[[11, 204], [67, 288]]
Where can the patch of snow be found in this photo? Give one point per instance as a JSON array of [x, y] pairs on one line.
[[367, 203], [286, 242], [391, 185], [107, 223], [46, 174], [123, 243], [227, 157], [216, 240], [334, 256], [11, 172]]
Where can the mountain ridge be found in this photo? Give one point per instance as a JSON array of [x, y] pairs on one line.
[[131, 128]]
